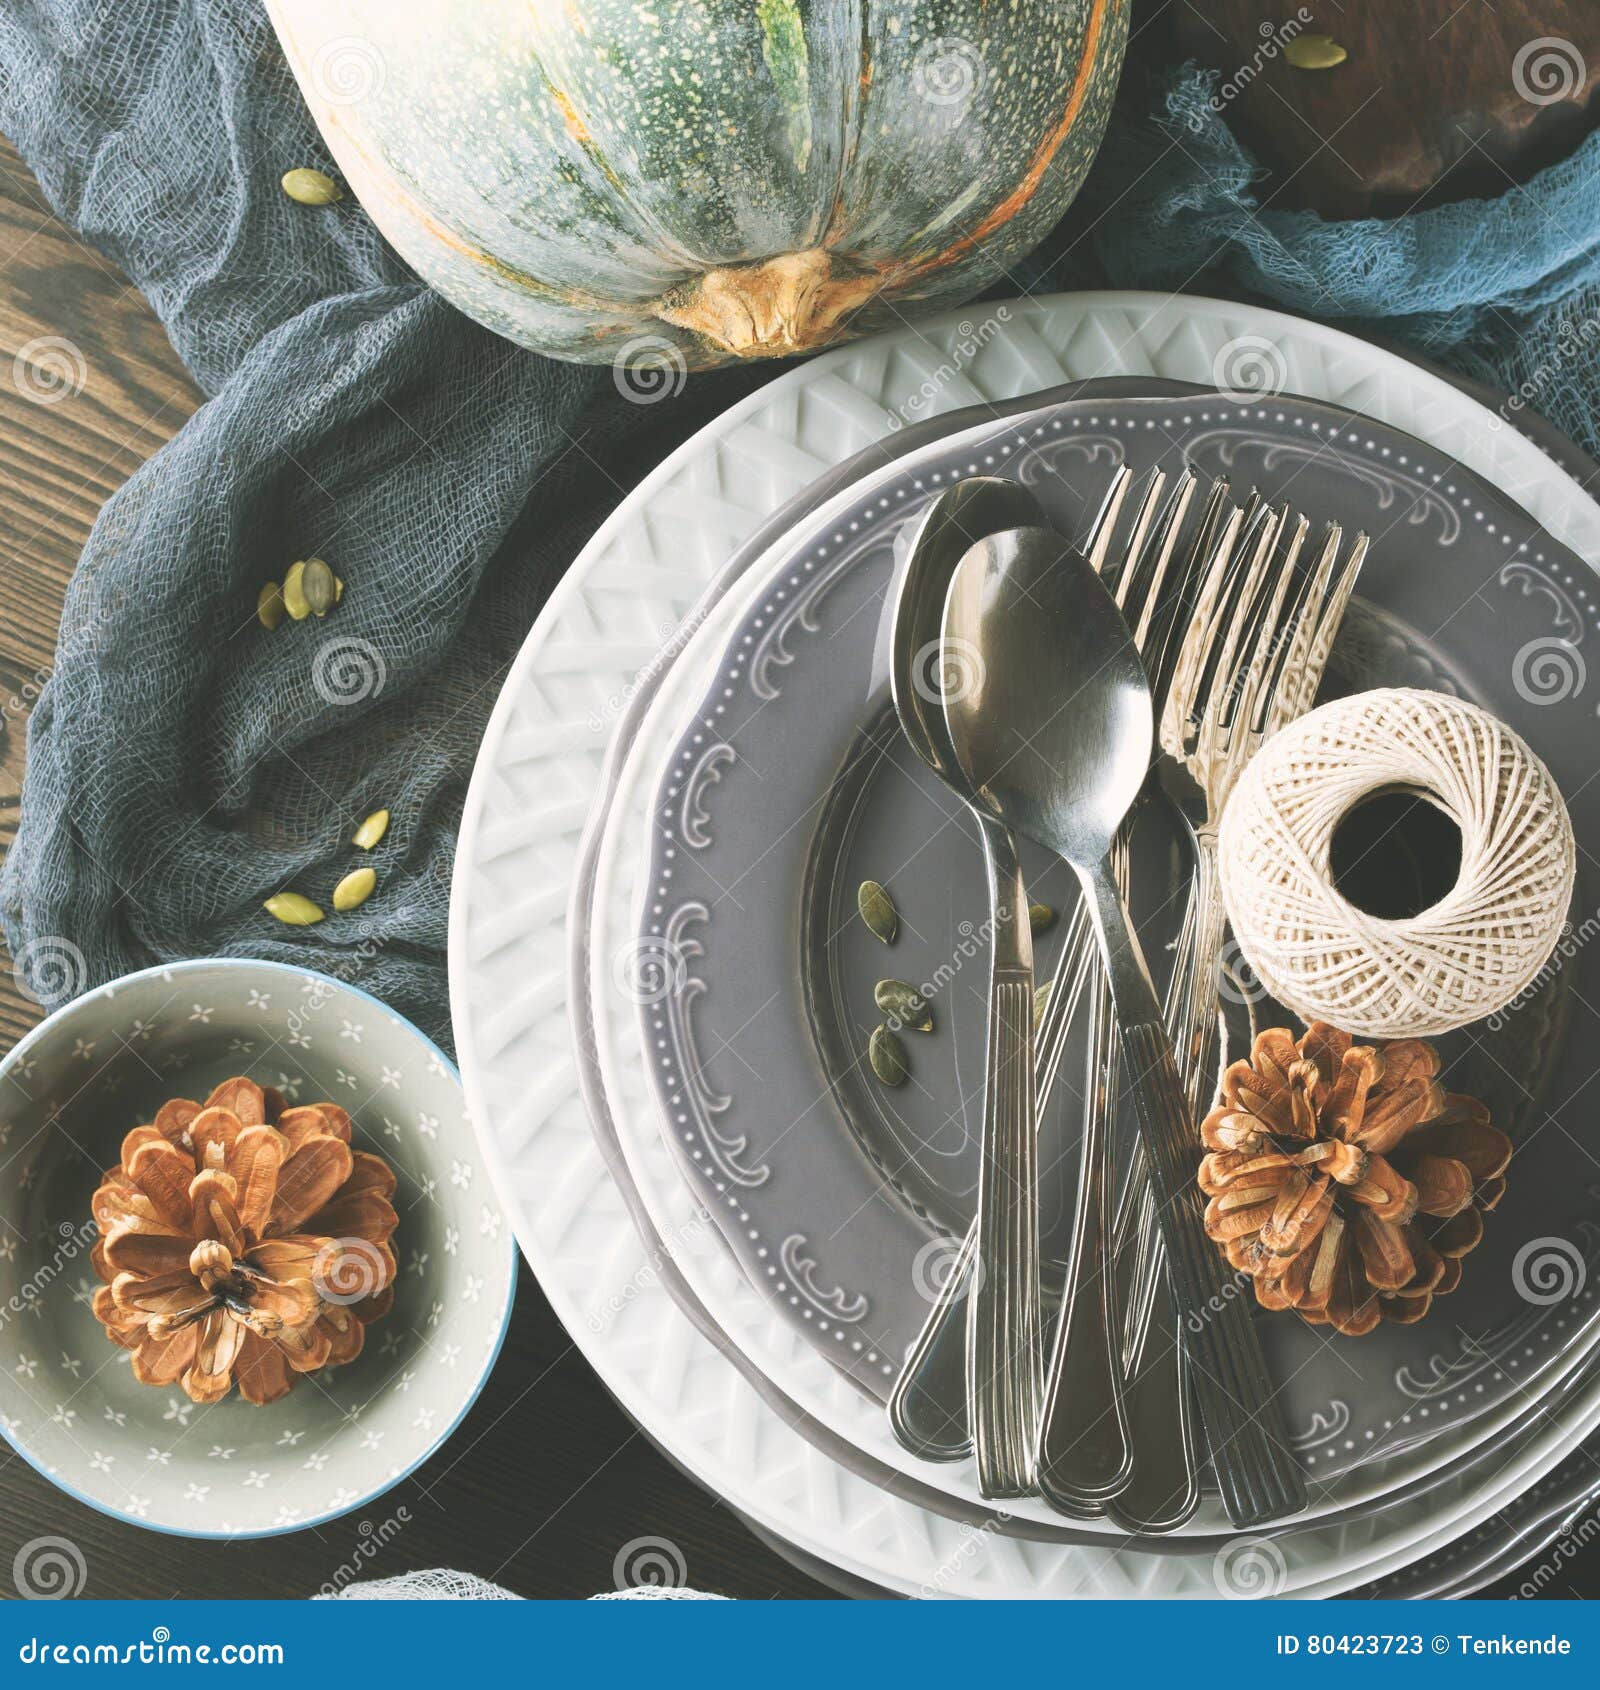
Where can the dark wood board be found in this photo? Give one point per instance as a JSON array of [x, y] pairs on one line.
[[547, 1479], [1433, 102]]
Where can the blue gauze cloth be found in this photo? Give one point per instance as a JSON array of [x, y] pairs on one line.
[[183, 764], [1504, 290]]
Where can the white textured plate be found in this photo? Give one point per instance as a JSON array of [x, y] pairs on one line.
[[542, 762]]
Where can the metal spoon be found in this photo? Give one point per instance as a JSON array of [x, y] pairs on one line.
[[1002, 1340], [1055, 734]]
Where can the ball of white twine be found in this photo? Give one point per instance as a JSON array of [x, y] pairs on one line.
[[1465, 957]]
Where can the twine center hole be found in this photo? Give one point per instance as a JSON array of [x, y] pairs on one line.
[[1395, 853]]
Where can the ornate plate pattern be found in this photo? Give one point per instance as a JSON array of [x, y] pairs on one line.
[[544, 759]]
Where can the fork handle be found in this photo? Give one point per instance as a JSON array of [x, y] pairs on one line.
[[1256, 1470], [1163, 1487], [1198, 1026], [1191, 1018], [1004, 1309]]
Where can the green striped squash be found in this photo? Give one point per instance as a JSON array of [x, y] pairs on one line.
[[739, 178]]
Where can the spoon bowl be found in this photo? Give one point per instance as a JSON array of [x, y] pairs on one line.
[[980, 505], [1056, 730]]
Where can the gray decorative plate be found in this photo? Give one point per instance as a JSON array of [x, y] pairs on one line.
[[789, 787], [1381, 1499]]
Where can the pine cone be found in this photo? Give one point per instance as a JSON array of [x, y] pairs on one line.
[[242, 1241], [1344, 1179]]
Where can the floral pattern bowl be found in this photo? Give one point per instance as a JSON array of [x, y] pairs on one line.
[[69, 1403]]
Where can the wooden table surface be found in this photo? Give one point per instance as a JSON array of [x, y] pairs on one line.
[[547, 1479]]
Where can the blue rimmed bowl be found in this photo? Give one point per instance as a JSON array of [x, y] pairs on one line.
[[69, 1403]]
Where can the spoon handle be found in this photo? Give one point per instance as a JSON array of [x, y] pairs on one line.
[[1256, 1470], [1163, 1488], [1083, 1438], [1004, 1313], [928, 1406]]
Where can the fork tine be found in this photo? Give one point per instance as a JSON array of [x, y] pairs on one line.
[[1238, 587], [1252, 508], [1267, 648], [1174, 596], [1280, 697], [1150, 571], [1212, 519], [1119, 575], [1334, 607], [1189, 659], [1230, 619], [1219, 540], [1100, 530]]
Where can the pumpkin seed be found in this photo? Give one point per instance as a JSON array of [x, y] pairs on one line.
[[1314, 52], [294, 592], [878, 911], [1041, 918], [904, 1005], [338, 590], [292, 909], [317, 585], [311, 187], [1041, 996], [354, 890], [269, 606], [887, 1056], [371, 830]]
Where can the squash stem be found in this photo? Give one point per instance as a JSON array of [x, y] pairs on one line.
[[792, 303]]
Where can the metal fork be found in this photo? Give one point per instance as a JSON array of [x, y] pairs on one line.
[[1267, 675], [1206, 744], [1249, 667]]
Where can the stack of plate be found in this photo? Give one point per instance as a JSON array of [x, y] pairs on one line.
[[741, 1229]]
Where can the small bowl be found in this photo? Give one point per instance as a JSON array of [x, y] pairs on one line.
[[69, 1403]]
